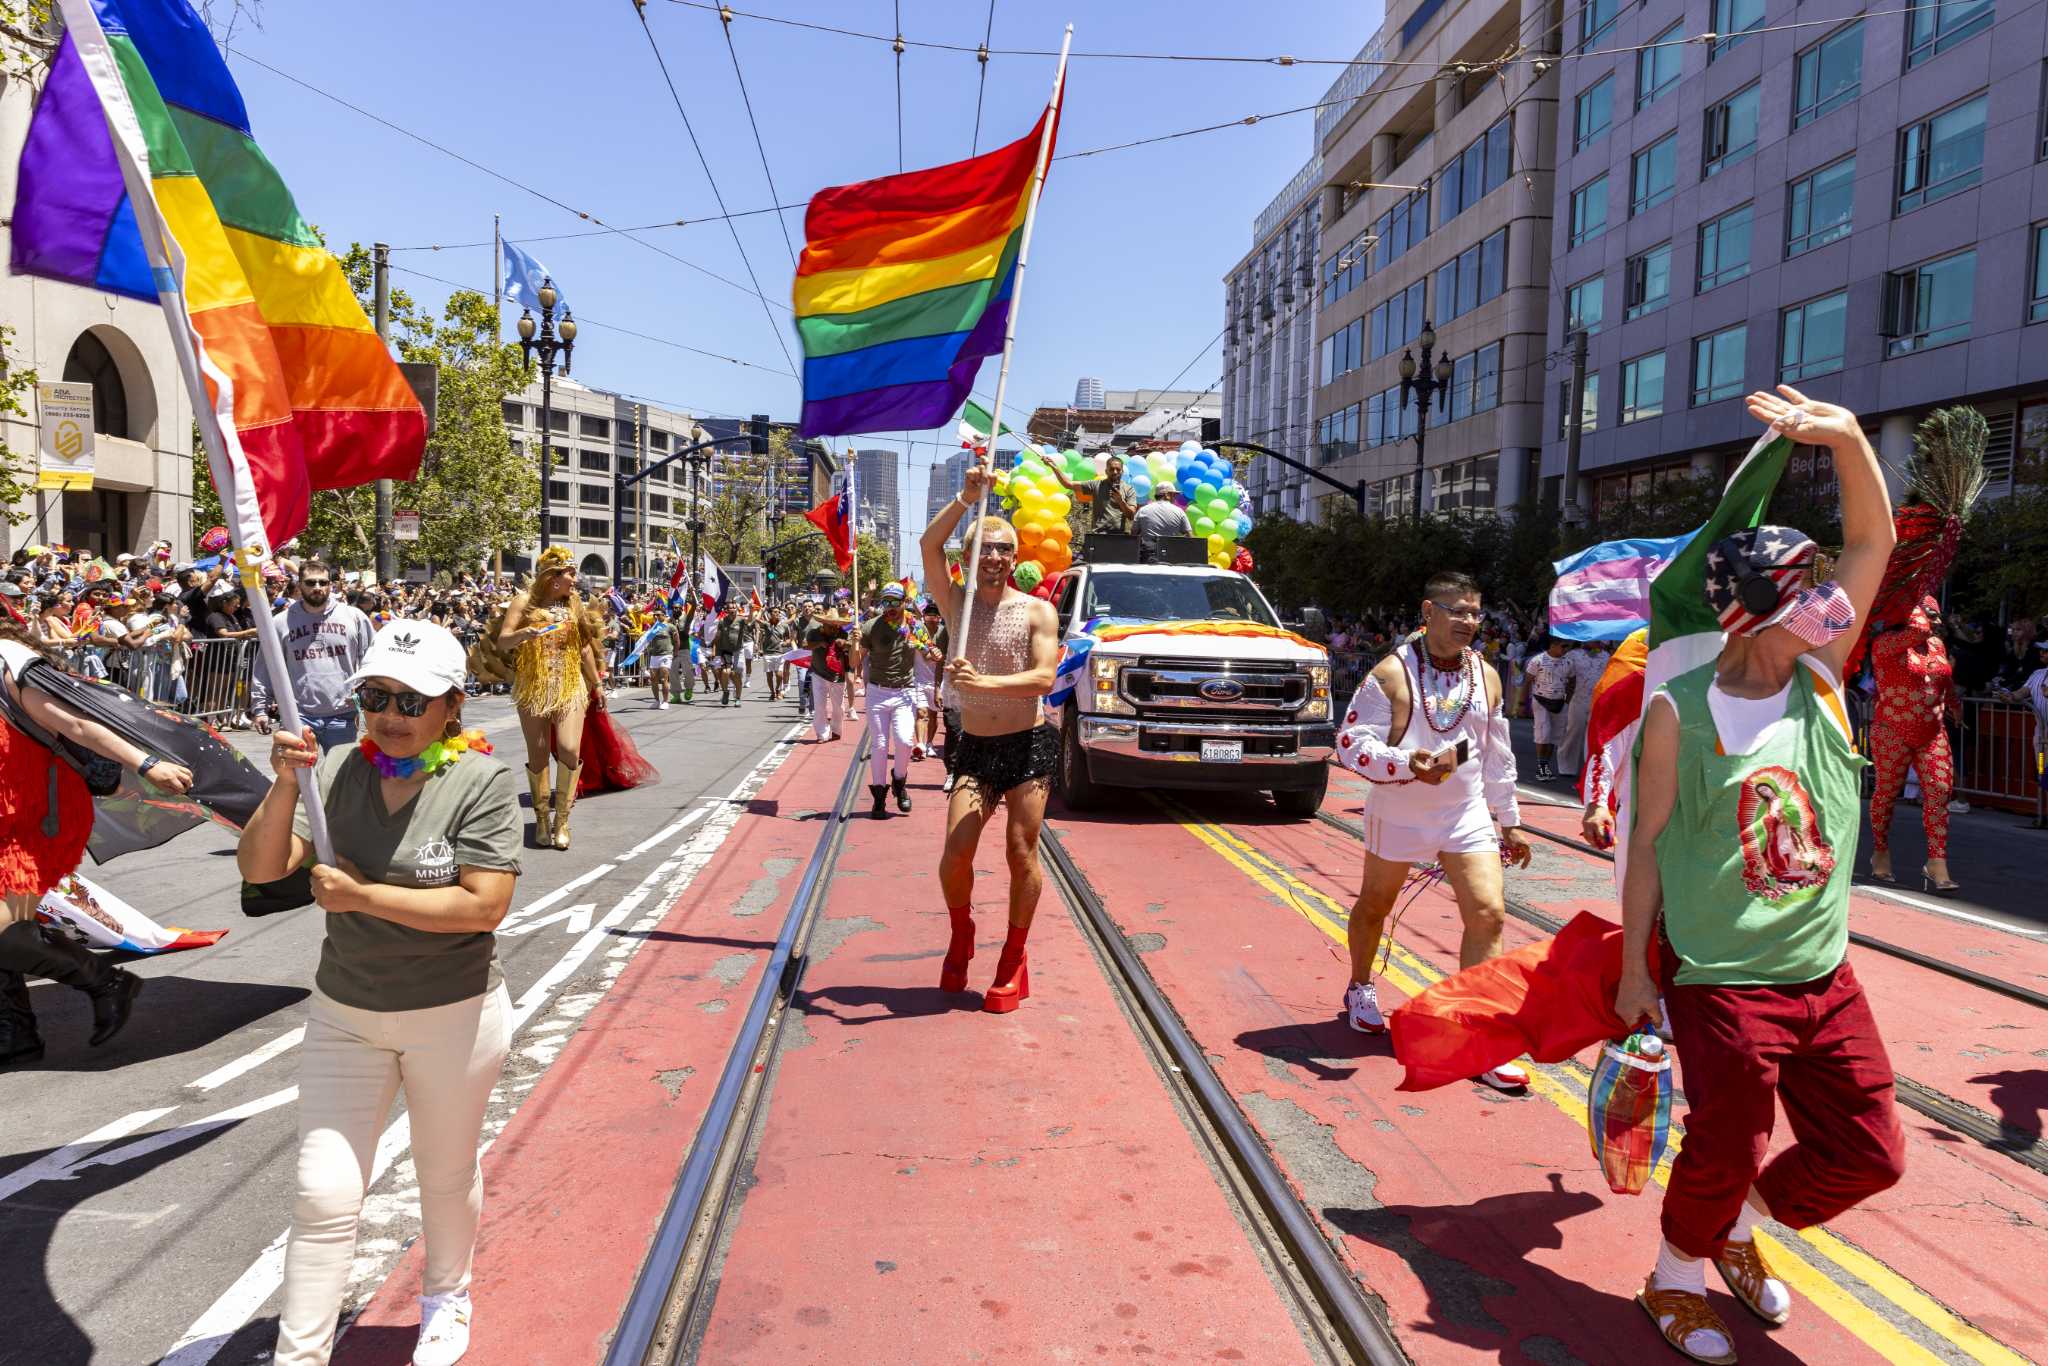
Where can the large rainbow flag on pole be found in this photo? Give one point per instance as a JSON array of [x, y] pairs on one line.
[[139, 175], [904, 285]]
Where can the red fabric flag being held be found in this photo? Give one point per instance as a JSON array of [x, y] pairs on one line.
[[834, 517]]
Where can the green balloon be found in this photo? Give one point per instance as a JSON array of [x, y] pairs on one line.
[[1204, 526], [1217, 509], [1232, 494], [1204, 491]]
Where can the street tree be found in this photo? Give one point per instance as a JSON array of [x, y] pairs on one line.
[[17, 468]]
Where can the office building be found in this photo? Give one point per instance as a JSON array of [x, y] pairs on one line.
[[1436, 217], [1859, 209], [1088, 392], [1127, 416], [881, 507], [1269, 343]]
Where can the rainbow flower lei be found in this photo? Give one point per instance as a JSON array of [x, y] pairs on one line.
[[434, 757]]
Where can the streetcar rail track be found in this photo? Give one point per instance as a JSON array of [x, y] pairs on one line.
[[1324, 1289], [1958, 1116], [671, 1299]]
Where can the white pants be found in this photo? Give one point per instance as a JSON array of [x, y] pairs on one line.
[[350, 1068], [892, 730], [1550, 725], [828, 707]]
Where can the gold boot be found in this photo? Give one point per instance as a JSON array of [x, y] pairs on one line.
[[565, 798], [537, 788]]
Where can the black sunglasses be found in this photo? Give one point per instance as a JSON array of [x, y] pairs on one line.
[[374, 699]]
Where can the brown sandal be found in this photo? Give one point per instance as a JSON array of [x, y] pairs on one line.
[[1742, 1267], [1690, 1314]]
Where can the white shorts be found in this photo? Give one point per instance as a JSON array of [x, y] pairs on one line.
[[1424, 835], [1550, 725], [655, 662]]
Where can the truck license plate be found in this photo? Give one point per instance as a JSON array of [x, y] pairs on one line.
[[1222, 751]]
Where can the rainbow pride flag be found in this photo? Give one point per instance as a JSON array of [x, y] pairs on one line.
[[904, 286], [139, 175]]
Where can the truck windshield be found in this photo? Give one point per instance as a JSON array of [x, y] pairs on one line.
[[1174, 597]]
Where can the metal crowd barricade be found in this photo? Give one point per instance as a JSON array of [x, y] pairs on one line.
[[1996, 751], [217, 678]]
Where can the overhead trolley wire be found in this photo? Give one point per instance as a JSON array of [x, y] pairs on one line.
[[640, 9], [981, 85], [523, 187], [759, 146]]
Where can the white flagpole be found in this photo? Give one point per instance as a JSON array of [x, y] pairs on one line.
[[167, 261], [973, 559]]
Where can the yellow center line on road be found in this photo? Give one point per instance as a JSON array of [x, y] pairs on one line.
[[1797, 1267]]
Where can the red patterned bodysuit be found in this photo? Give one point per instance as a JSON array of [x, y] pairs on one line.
[[1915, 689]]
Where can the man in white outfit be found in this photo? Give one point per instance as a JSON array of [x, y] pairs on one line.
[[1427, 731], [1552, 679], [885, 650]]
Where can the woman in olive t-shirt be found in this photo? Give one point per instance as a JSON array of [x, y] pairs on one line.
[[426, 834]]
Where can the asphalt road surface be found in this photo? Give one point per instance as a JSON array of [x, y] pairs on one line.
[[145, 1187]]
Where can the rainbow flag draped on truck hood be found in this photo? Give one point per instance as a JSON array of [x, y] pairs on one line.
[[904, 288], [140, 124]]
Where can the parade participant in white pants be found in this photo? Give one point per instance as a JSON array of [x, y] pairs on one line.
[[1427, 731], [829, 646], [886, 652], [408, 993], [1553, 677]]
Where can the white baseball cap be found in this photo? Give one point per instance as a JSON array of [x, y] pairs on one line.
[[424, 657]]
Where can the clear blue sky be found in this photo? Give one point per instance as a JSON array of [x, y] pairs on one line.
[[1125, 276]]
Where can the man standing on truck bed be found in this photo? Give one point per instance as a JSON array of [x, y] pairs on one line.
[[1006, 751], [1427, 731]]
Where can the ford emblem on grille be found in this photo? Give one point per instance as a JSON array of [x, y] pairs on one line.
[[1221, 689]]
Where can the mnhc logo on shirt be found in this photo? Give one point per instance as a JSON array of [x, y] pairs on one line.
[[433, 862]]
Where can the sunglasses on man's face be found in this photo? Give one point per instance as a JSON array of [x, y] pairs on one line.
[[312, 583], [374, 699]]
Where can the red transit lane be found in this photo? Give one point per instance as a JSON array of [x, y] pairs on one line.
[[938, 1183]]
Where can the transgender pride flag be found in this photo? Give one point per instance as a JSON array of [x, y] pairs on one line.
[[1603, 592]]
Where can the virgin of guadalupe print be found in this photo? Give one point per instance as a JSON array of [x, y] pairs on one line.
[[1784, 852]]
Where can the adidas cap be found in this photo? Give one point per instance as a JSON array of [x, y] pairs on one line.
[[417, 654]]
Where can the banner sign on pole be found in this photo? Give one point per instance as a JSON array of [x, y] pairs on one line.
[[64, 442], [405, 524]]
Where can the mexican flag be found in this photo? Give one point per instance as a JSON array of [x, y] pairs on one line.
[[1685, 632], [976, 424]]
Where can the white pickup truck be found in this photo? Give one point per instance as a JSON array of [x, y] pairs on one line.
[[1244, 707]]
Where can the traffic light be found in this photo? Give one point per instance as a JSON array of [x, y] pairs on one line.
[[771, 569], [757, 435]]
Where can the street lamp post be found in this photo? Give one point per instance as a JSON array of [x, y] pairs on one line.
[[550, 339], [1425, 383]]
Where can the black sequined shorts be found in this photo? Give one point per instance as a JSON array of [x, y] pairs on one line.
[[998, 763]]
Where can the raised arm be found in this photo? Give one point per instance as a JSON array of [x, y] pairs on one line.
[[932, 545], [1867, 531]]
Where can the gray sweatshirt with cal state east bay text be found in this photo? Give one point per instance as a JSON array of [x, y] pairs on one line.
[[321, 651]]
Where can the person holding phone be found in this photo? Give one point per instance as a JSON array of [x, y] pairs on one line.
[[1426, 729]]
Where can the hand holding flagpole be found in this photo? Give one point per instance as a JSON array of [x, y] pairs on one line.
[[967, 540]]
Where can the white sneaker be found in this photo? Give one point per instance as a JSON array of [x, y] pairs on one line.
[[661, 705], [1509, 1077], [444, 1329], [1958, 807], [1362, 1008]]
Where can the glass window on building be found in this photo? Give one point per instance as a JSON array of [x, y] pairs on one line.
[[1938, 25], [1486, 378], [1648, 280], [1827, 75], [1375, 420], [1493, 265], [1642, 387], [596, 461], [1462, 371], [1653, 174], [1467, 297], [1929, 305], [558, 421], [1589, 418], [1717, 364], [1724, 249], [1733, 19], [2030, 456], [1730, 133], [1813, 338], [1819, 206], [558, 525], [1467, 483], [1596, 20], [593, 529], [1586, 305], [515, 413], [558, 490], [657, 440], [1592, 112], [1657, 65], [596, 426], [1589, 211], [657, 502], [1941, 156], [593, 495], [2037, 295]]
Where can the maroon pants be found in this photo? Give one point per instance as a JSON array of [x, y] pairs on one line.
[[1740, 1051]]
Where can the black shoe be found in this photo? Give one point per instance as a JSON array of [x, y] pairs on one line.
[[19, 1040], [111, 1005], [881, 796], [896, 785]]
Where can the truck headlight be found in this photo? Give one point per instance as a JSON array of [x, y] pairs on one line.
[[1108, 701], [1317, 708]]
